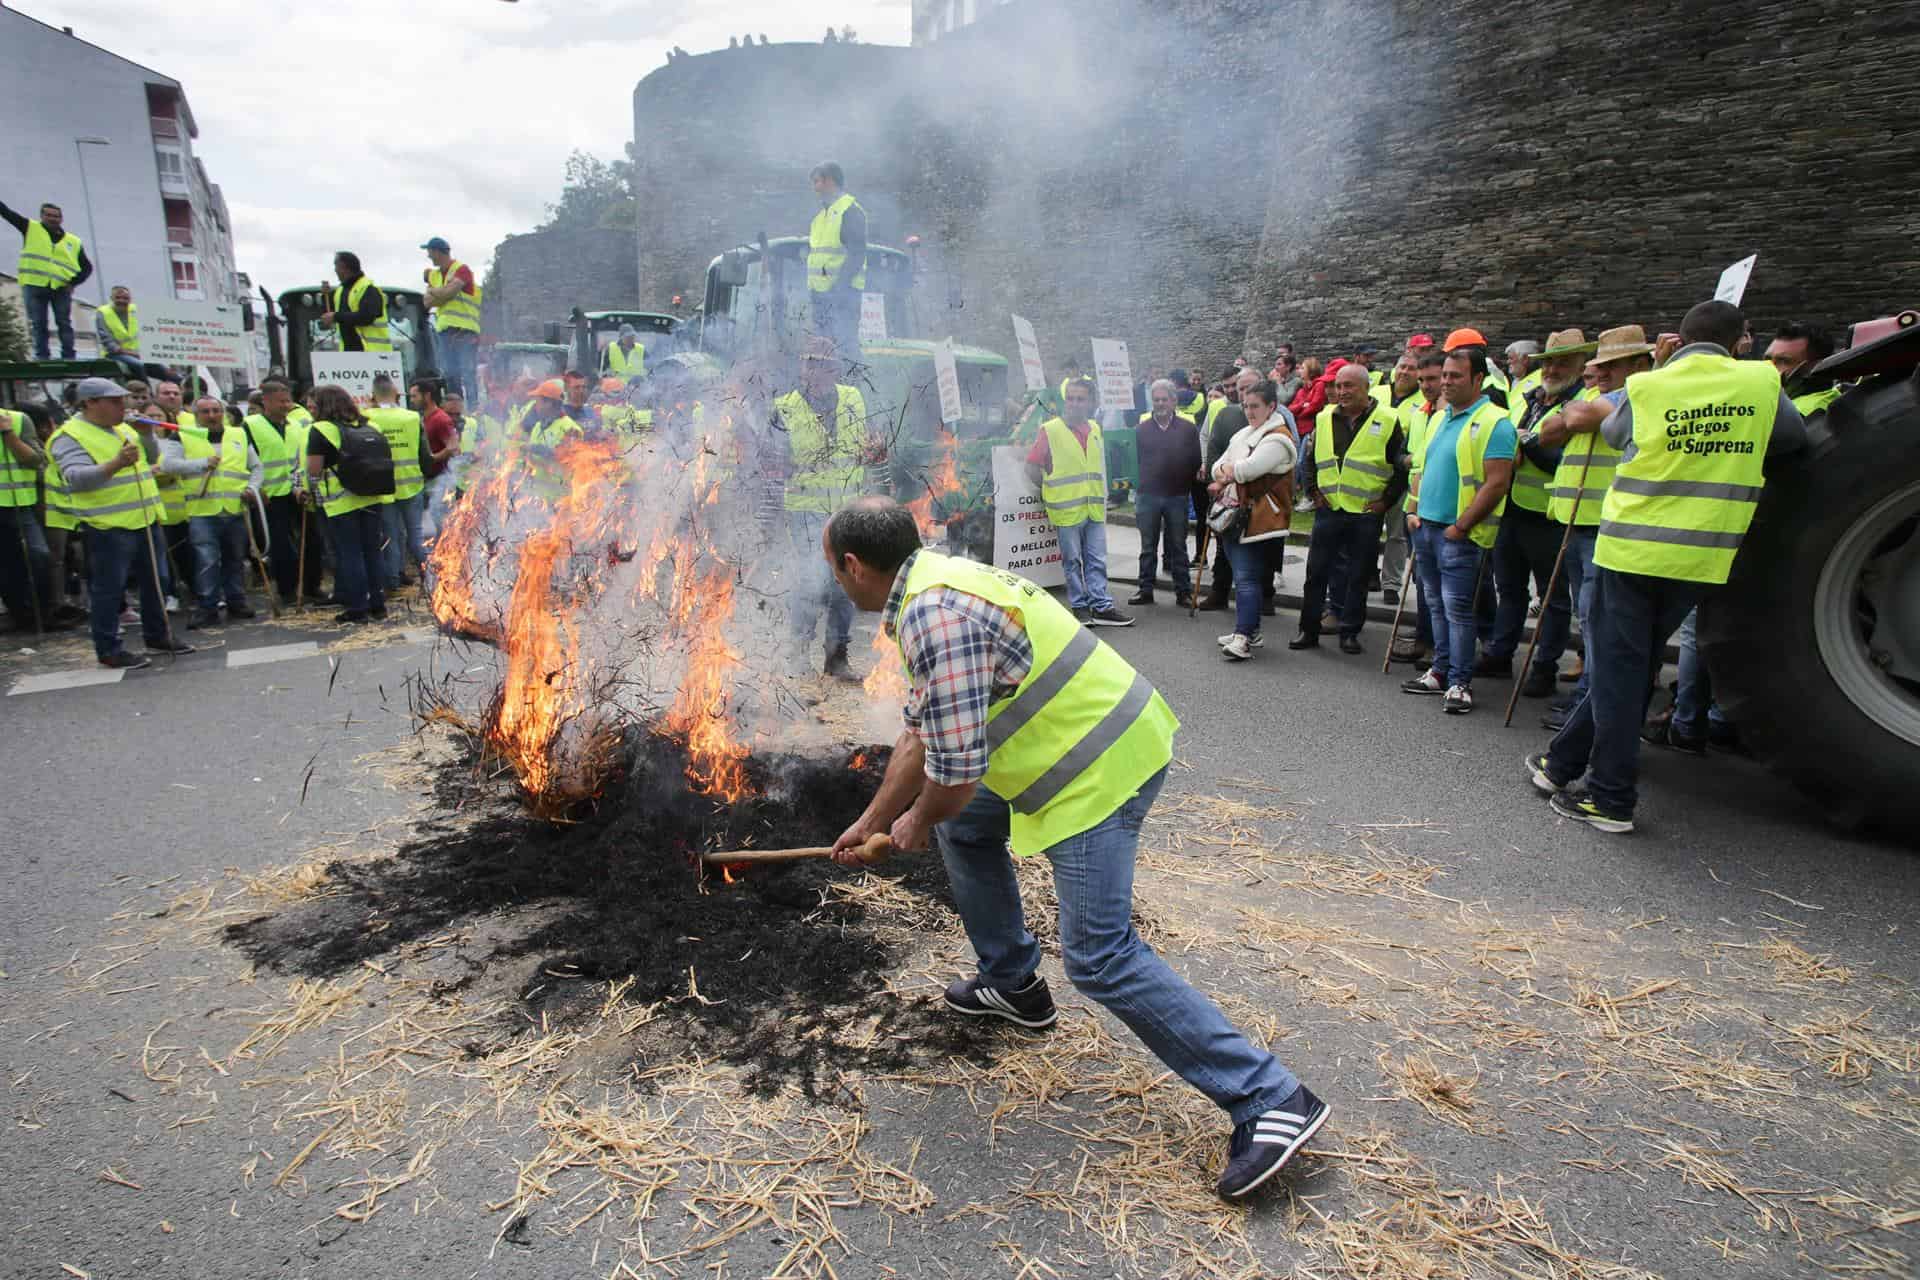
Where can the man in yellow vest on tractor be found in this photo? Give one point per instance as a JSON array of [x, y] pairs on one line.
[[356, 308], [1461, 492], [1575, 430], [455, 297], [116, 327], [836, 262], [101, 475], [216, 468], [1529, 542], [624, 357], [1024, 730], [825, 442], [1695, 434], [52, 261], [1068, 463]]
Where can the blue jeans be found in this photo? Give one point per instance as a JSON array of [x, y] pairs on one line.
[[219, 559], [1693, 704], [1351, 534], [400, 522], [39, 300], [1448, 572], [815, 589], [1250, 570], [1579, 571], [1164, 520], [454, 351], [1083, 554], [115, 556], [1105, 958], [359, 574], [1632, 617]]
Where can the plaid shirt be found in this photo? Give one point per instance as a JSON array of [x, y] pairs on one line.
[[962, 655]]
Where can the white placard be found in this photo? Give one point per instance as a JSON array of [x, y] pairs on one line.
[[1024, 541], [1113, 374], [1733, 281], [185, 334], [355, 371], [1029, 354], [873, 317], [947, 374]]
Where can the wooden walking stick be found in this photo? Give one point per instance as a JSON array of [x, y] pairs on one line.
[[1393, 632], [260, 556], [300, 571], [1199, 567], [153, 563], [1546, 600]]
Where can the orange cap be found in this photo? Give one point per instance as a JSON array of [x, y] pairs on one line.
[[550, 390], [1464, 338], [612, 385]]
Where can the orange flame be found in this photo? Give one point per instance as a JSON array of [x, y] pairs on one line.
[[943, 478], [887, 682]]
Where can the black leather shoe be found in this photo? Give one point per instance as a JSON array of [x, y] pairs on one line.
[[1183, 601], [1214, 601], [1351, 644], [1304, 640], [241, 611], [1140, 597], [351, 615], [1494, 668], [203, 618], [1540, 683]]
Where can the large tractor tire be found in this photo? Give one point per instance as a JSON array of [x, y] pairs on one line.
[[1814, 645]]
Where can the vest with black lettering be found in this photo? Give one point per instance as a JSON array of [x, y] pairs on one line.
[[1680, 505], [1082, 732], [462, 310], [401, 427], [373, 337], [1572, 497], [1350, 483], [826, 252], [128, 500], [827, 470], [1074, 488]]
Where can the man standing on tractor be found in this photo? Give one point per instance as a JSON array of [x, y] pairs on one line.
[[356, 307], [52, 262], [455, 296], [837, 262]]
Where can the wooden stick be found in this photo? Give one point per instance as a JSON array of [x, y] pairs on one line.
[[1406, 589], [874, 850], [300, 572], [1546, 601]]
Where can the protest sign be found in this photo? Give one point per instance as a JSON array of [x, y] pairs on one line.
[[185, 334], [1029, 354], [947, 374], [1024, 541], [1112, 373], [355, 371], [1733, 281], [873, 317]]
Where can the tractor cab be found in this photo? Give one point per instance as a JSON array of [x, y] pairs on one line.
[[659, 333], [298, 332]]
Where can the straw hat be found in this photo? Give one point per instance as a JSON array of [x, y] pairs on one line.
[[1566, 342], [1619, 344]]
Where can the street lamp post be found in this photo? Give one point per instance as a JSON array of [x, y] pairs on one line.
[[99, 276]]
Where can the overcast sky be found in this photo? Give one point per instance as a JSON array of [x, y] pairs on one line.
[[468, 108]]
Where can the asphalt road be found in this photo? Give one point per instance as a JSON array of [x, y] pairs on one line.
[[124, 797]]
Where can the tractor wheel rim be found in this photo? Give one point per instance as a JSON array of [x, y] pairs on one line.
[[1866, 613]]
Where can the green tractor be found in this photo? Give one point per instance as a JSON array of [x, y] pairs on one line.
[[294, 332], [590, 333], [756, 302]]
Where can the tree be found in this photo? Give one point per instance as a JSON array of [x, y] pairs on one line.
[[15, 345], [849, 36], [594, 193]]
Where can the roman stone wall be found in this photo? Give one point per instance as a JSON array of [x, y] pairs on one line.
[[543, 275]]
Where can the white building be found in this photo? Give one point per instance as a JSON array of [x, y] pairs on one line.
[[935, 18], [142, 204]]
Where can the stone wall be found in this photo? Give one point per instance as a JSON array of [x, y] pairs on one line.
[[1196, 176], [541, 276]]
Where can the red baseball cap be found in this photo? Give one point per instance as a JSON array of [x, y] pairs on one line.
[[1464, 338], [1419, 340]]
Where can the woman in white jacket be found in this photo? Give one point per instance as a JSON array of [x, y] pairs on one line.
[[1253, 490]]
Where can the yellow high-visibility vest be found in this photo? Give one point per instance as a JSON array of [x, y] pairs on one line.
[[127, 501], [1074, 489], [335, 498], [827, 470], [1081, 733], [1680, 505], [127, 333], [401, 427], [462, 310], [1349, 484], [221, 493], [826, 251], [44, 262], [276, 463], [1569, 499], [622, 363], [373, 337], [19, 483]]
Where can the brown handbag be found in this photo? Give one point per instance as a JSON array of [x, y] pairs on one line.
[[1269, 503]]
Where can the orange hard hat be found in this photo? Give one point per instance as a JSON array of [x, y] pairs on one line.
[[612, 386], [1464, 338], [550, 390]]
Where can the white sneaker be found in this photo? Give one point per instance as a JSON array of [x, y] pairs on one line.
[[1257, 642], [173, 604], [1238, 648], [1459, 701]]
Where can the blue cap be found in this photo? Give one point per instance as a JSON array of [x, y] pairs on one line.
[[440, 243]]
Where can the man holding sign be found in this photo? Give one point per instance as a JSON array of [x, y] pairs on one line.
[[1069, 463]]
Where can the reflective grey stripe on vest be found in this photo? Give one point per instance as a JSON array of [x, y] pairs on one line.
[[1112, 727], [1056, 482], [1659, 533], [115, 508], [1364, 468], [1028, 702], [1687, 489]]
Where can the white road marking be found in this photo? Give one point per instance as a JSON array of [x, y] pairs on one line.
[[53, 681], [272, 653]]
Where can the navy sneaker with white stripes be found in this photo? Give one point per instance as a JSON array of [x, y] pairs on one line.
[[1027, 1006], [1262, 1146]]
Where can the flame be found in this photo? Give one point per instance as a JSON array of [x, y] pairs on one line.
[[859, 761], [886, 682], [942, 478]]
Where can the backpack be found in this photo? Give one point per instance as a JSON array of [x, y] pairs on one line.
[[365, 464]]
